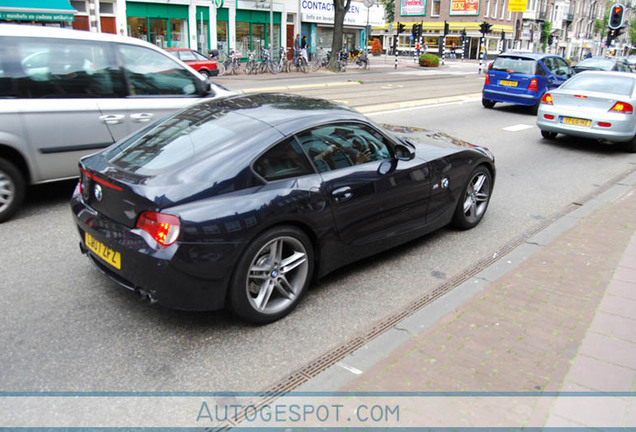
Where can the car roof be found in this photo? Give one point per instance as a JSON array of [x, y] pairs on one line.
[[64, 33], [530, 55]]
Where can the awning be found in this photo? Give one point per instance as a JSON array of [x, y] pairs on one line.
[[37, 10]]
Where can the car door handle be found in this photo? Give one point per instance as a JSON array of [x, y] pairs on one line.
[[342, 194], [112, 119], [142, 117]]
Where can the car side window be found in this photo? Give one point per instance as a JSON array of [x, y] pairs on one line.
[[282, 161], [338, 146], [562, 68], [51, 68], [187, 56], [152, 73]]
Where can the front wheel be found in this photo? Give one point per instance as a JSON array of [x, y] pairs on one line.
[[205, 73], [272, 275], [12, 189], [474, 201], [487, 103]]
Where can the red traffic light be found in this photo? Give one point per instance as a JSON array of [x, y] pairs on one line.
[[617, 9]]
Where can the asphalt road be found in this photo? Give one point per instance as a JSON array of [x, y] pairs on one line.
[[64, 327]]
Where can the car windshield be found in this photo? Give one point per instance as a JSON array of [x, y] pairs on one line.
[[596, 64], [181, 138], [514, 65], [608, 83]]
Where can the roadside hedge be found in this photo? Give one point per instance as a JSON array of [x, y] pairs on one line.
[[429, 60]]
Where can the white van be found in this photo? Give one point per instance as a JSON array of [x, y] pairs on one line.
[[66, 93]]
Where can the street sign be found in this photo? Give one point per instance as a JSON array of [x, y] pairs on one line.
[[369, 3]]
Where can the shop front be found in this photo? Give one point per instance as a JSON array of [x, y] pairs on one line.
[[253, 30], [317, 18], [164, 25], [58, 13]]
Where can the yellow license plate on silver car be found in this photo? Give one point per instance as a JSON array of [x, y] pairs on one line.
[[576, 121], [107, 254], [508, 83]]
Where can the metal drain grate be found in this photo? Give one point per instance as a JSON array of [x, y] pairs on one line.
[[335, 355]]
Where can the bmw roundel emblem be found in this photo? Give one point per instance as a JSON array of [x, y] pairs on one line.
[[97, 191]]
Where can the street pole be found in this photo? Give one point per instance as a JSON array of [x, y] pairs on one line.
[[271, 28], [481, 52]]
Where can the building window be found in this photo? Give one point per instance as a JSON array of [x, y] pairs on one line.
[[436, 7], [487, 8]]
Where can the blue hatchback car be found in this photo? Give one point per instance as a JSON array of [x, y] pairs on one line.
[[522, 78]]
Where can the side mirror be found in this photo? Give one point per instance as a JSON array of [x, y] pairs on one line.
[[403, 153]]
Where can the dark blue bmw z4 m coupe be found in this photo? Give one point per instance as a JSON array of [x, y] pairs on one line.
[[242, 202]]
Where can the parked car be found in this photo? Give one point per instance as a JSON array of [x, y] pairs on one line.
[[242, 201], [68, 93], [204, 65], [522, 78], [592, 104], [603, 64]]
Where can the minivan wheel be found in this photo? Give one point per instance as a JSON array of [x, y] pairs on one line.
[[12, 189], [272, 275], [488, 103]]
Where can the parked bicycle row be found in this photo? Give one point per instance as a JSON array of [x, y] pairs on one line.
[[299, 62]]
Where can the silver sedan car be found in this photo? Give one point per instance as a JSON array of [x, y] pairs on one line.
[[595, 105]]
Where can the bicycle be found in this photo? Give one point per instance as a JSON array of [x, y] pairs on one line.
[[251, 66], [283, 65], [230, 65], [321, 60], [267, 64], [343, 58], [300, 61], [362, 60]]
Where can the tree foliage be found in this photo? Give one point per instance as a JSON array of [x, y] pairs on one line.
[[389, 10]]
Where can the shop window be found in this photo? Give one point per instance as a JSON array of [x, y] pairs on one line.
[[158, 31], [178, 33], [258, 38], [243, 38], [137, 28], [221, 35]]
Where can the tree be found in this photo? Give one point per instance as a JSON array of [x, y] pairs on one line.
[[632, 32], [340, 10], [545, 32], [389, 10]]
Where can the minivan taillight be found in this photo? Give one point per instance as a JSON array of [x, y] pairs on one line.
[[534, 85], [164, 228], [622, 107]]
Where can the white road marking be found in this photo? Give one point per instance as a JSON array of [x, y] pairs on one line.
[[351, 369], [517, 128]]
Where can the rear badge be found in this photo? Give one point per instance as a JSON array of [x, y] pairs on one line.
[[97, 191], [445, 182]]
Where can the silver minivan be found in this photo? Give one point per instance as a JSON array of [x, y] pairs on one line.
[[66, 93]]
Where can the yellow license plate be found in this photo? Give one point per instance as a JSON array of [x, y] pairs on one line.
[[508, 83], [576, 121], [107, 254]]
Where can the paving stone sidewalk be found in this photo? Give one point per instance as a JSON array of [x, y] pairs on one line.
[[563, 320]]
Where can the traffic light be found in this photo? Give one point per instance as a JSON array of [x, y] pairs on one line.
[[446, 28], [485, 27], [616, 16], [463, 35], [400, 28], [550, 39]]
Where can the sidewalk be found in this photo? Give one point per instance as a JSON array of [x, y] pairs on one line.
[[558, 314]]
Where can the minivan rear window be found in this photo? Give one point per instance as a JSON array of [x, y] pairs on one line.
[[514, 65]]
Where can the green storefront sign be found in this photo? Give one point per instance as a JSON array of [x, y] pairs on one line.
[[36, 16], [36, 10]]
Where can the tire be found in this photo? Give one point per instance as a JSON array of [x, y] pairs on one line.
[[272, 67], [263, 290], [249, 68], [487, 103], [235, 68], [534, 109], [12, 189], [630, 146], [205, 73], [315, 65], [548, 135], [473, 202], [304, 67]]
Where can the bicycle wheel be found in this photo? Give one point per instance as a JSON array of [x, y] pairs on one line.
[[272, 67], [304, 67], [315, 64], [235, 68], [221, 68], [262, 67]]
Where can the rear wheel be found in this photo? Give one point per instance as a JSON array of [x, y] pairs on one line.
[[272, 275], [12, 189], [487, 103], [474, 201], [548, 135]]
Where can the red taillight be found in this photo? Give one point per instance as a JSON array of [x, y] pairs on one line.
[[98, 180], [548, 116], [487, 79], [622, 107], [546, 99], [604, 124], [580, 96], [164, 228], [534, 85]]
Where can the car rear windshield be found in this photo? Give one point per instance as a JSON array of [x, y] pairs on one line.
[[596, 64], [181, 139], [607, 83], [514, 65]]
